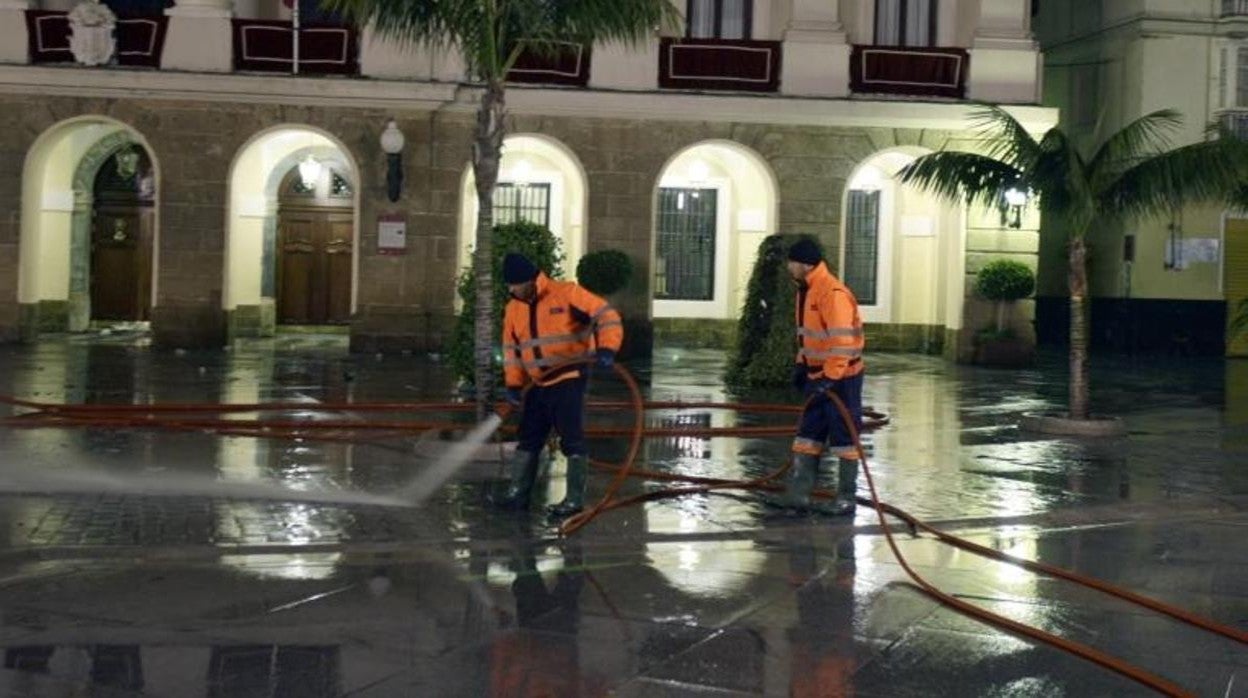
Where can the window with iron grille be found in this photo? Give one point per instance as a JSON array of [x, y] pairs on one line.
[[720, 19], [685, 249], [530, 202], [862, 245], [905, 22]]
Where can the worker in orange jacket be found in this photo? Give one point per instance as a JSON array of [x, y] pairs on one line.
[[829, 358], [548, 323]]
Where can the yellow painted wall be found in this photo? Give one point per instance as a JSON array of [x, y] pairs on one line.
[[47, 206], [1236, 280]]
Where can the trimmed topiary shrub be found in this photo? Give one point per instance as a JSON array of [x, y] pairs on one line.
[[1004, 281], [529, 239], [604, 272], [765, 334]]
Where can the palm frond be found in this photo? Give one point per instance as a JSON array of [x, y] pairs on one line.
[[1146, 136], [1003, 138], [586, 21], [1210, 171], [959, 176]]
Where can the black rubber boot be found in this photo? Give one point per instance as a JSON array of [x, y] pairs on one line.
[[846, 487], [574, 501], [523, 473], [800, 481]]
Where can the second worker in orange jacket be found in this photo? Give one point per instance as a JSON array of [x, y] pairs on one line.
[[547, 324]]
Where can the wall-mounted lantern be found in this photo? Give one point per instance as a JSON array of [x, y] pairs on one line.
[[392, 142]]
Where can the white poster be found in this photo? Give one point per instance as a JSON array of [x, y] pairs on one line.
[[391, 234]]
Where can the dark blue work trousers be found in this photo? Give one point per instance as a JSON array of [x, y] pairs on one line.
[[560, 406]]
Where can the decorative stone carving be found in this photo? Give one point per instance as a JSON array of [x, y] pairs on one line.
[[91, 33]]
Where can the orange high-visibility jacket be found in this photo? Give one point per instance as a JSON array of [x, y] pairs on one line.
[[829, 330], [562, 322]]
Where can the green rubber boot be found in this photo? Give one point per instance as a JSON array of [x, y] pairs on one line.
[[800, 481], [574, 501], [846, 487], [523, 473]]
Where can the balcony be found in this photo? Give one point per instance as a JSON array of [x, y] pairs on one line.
[[719, 64], [568, 66], [904, 70], [1234, 8], [140, 39], [267, 46]]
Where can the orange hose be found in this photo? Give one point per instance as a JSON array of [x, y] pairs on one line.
[[148, 416]]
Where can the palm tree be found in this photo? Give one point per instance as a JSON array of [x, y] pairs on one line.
[[1133, 174], [491, 35]]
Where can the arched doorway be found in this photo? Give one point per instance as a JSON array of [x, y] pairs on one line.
[[123, 224], [292, 247], [89, 227], [315, 222], [539, 180], [902, 253], [714, 204]]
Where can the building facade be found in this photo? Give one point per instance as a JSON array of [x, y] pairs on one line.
[[1158, 285], [218, 179]]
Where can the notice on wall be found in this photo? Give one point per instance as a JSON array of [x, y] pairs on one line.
[[391, 234], [1182, 253]]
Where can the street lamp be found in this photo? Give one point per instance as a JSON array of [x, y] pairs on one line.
[[392, 142]]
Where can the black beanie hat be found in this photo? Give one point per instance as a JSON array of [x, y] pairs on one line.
[[517, 269], [806, 251]]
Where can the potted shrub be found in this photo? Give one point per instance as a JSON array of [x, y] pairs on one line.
[[604, 272], [1004, 282]]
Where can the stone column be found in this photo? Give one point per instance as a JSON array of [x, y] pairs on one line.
[[1005, 59], [14, 42], [200, 37], [816, 53]]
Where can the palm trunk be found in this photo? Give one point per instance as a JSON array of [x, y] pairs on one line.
[[1078, 407], [486, 154]]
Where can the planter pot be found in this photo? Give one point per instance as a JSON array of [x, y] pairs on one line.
[[1006, 352]]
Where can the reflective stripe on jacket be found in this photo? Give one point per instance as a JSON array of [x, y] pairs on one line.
[[562, 322], [829, 329]]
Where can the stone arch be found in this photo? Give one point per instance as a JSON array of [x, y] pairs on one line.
[[886, 227], [550, 163], [746, 203], [258, 168], [57, 196]]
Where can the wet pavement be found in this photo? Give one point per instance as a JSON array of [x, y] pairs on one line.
[[195, 593]]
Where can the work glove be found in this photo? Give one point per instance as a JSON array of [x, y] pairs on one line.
[[514, 397], [606, 359], [799, 376]]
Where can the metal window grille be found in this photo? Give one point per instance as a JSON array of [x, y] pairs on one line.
[[862, 244], [685, 250], [530, 202]]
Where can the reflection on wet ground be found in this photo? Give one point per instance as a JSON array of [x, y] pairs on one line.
[[707, 595]]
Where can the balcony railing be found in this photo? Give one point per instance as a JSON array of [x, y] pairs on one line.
[[1233, 8], [568, 66], [268, 47], [719, 64], [904, 70], [140, 39]]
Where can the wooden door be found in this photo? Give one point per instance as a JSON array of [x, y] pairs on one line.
[[314, 266], [121, 244]]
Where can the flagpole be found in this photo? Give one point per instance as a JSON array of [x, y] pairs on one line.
[[294, 53]]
